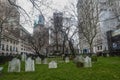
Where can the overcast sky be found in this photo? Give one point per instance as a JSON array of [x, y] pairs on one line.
[[56, 4]]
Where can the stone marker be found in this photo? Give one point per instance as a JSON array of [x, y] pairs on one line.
[[23, 56], [1, 68], [67, 60], [45, 61], [38, 60], [87, 62], [52, 64], [14, 65], [29, 65]]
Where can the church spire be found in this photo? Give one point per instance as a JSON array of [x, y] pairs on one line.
[[41, 20]]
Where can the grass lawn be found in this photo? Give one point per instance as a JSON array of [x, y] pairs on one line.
[[103, 69]]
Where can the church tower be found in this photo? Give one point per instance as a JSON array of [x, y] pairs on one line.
[[38, 24]]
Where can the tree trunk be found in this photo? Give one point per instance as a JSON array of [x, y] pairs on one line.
[[91, 48], [71, 48]]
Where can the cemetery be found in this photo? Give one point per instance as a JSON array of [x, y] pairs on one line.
[[59, 39], [56, 68]]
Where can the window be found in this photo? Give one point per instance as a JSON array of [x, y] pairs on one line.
[[13, 48], [99, 47], [16, 49], [10, 41], [14, 42], [7, 40], [10, 48], [3, 47], [103, 9], [7, 48]]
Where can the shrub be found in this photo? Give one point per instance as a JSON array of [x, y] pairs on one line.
[[94, 58], [79, 64]]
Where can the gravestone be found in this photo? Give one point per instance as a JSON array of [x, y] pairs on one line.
[[52, 64], [79, 59], [87, 62], [107, 55], [38, 60], [14, 65], [67, 60], [29, 65], [45, 61], [23, 56], [1, 68]]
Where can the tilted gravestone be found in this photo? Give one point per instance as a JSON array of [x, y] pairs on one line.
[[29, 65], [14, 65], [52, 64]]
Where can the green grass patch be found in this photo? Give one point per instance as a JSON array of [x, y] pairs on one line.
[[103, 69]]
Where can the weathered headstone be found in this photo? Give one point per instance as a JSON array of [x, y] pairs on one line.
[[52, 64], [29, 65], [23, 57], [107, 55], [14, 65], [45, 61], [67, 60], [38, 60], [87, 62], [1, 68], [79, 59]]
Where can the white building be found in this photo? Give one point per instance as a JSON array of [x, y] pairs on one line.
[[13, 38], [107, 21]]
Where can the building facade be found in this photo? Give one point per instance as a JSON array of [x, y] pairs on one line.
[[108, 20], [13, 36], [56, 34]]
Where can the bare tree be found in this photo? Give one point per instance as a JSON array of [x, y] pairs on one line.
[[39, 42], [39, 6], [65, 34], [68, 35], [88, 18]]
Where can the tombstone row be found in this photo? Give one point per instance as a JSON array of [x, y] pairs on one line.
[[38, 59], [15, 64]]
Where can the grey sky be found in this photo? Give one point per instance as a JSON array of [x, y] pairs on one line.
[[56, 4]]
